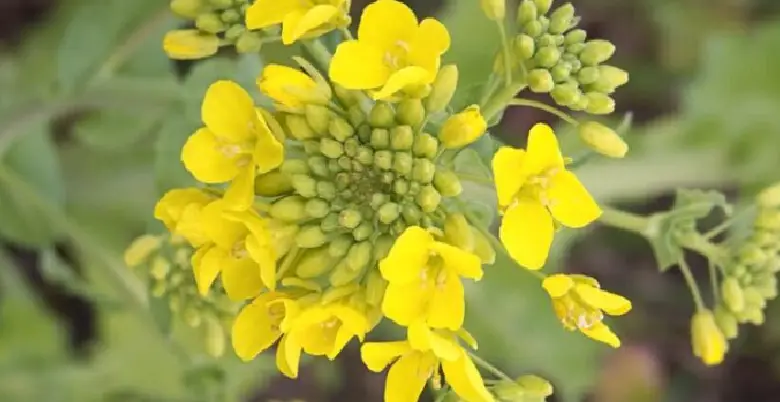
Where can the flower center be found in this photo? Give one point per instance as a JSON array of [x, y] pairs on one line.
[[396, 56]]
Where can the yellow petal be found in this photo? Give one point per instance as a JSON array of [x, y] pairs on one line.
[[543, 151], [464, 263], [283, 84], [422, 339], [265, 258], [229, 112], [405, 303], [222, 231], [253, 330], [288, 356], [611, 303], [570, 202], [296, 25], [431, 41], [527, 232], [203, 156], [356, 65], [378, 355], [408, 256], [465, 380], [351, 319], [189, 44], [264, 13], [241, 193], [600, 332], [207, 266], [171, 206], [407, 376], [557, 285], [241, 278], [447, 307], [269, 152], [343, 336], [385, 23], [463, 128], [506, 171], [404, 78]]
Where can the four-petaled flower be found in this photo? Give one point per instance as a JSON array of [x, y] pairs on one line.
[[299, 18]]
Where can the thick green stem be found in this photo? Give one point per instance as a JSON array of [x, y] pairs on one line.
[[545, 107], [498, 102], [625, 220], [489, 367], [319, 52]]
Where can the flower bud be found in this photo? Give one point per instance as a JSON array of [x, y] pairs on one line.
[[428, 199], [375, 288], [340, 129], [221, 4], [727, 322], [363, 231], [317, 208], [543, 6], [411, 214], [314, 262], [340, 245], [230, 16], [211, 23], [249, 42], [463, 128], [561, 72], [356, 116], [588, 75], [298, 128], [401, 138], [566, 94], [318, 118], [343, 274], [319, 166], [457, 232], [708, 342], [768, 219], [769, 197], [598, 103], [482, 247], [732, 294], [561, 19], [331, 148], [533, 29], [596, 51], [349, 218], [535, 386], [304, 185], [310, 236], [609, 79], [160, 268], [402, 163], [389, 213], [273, 184], [189, 44], [540, 80], [193, 317], [382, 247], [547, 56], [326, 190], [425, 146], [495, 10], [447, 183], [189, 9], [423, 170], [526, 12], [574, 37], [753, 298], [234, 32], [382, 115], [443, 88], [383, 160], [525, 47], [603, 139], [140, 250], [411, 112], [289, 209], [380, 138], [359, 255]]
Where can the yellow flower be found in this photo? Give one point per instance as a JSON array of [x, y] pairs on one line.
[[533, 187], [413, 362], [189, 44], [424, 283], [235, 144], [290, 88], [393, 51], [708, 341], [580, 304], [463, 128], [299, 18], [259, 324], [179, 210]]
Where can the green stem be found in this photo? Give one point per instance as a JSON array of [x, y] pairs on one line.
[[500, 99], [319, 52], [347, 33], [699, 243], [713, 281], [489, 367], [506, 58], [545, 107], [625, 220], [691, 282]]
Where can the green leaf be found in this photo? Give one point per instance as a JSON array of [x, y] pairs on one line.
[[469, 166], [169, 170], [30, 165], [111, 131]]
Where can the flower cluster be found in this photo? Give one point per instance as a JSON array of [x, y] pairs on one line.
[[339, 207]]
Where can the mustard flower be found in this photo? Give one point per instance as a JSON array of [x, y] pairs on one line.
[[190, 44], [533, 188], [234, 146], [259, 324], [708, 341], [579, 303], [300, 18], [393, 51], [424, 283], [463, 128], [179, 209], [290, 88]]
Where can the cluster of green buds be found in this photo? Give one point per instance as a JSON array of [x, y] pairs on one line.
[[527, 388], [168, 274], [556, 58]]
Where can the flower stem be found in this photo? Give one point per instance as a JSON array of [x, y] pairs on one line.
[[545, 107], [625, 220], [489, 367], [499, 100], [319, 52], [694, 288], [505, 56]]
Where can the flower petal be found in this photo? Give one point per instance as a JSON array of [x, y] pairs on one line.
[[253, 331], [407, 376], [224, 232], [189, 44], [284, 84], [229, 112], [385, 23], [378, 355], [527, 232], [296, 25], [464, 263], [241, 278], [431, 41], [406, 77], [570, 202], [269, 152], [557, 285], [356, 65], [203, 158], [241, 193], [265, 258], [422, 339], [465, 380], [408, 256], [405, 303], [543, 151], [288, 356], [600, 332], [447, 307], [264, 13], [611, 303], [506, 171], [206, 265]]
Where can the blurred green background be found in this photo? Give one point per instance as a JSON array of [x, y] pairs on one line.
[[93, 115]]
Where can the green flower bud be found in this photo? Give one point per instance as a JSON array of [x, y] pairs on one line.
[[509, 391], [543, 6], [526, 12], [566, 94], [318, 166], [221, 4], [365, 156], [351, 146], [768, 219], [382, 115], [382, 247], [544, 23], [304, 185], [457, 232], [298, 128], [189, 9], [535, 386], [428, 199], [423, 170], [346, 96], [575, 49], [375, 288], [401, 138], [546, 40], [318, 117], [389, 213], [340, 129], [235, 32], [411, 112], [160, 268], [380, 138], [447, 183], [311, 147], [525, 46], [314, 263], [210, 23], [317, 208], [331, 148], [482, 247], [727, 322], [343, 274], [401, 186], [610, 78], [753, 298], [540, 80], [732, 294], [599, 103], [383, 159], [588, 75], [273, 184], [574, 37], [193, 317], [345, 163], [359, 255], [754, 315], [356, 115], [310, 236], [230, 16], [769, 197], [377, 200], [349, 218], [596, 52], [363, 231], [443, 88], [561, 72], [326, 190], [533, 29], [411, 214], [751, 254], [603, 139], [387, 178], [402, 163], [425, 146], [495, 10], [547, 56], [289, 209], [767, 287], [340, 245], [562, 19]]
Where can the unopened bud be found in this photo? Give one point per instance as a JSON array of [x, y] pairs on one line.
[[192, 317], [187, 8], [318, 118], [304, 185], [310, 236], [526, 12], [428, 199], [340, 129], [525, 47], [457, 232], [389, 213], [708, 342], [443, 88], [349, 218], [401, 138], [547, 56], [343, 274], [566, 94], [425, 146], [494, 9], [339, 246], [233, 33], [768, 219], [289, 209], [317, 208], [561, 19], [411, 112], [574, 37], [732, 294], [298, 127], [211, 23], [599, 103], [482, 247], [189, 44], [447, 183], [543, 6], [383, 160], [319, 165], [603, 139], [411, 214], [402, 163], [380, 138], [533, 29], [221, 4], [331, 148], [359, 255], [561, 72], [356, 116], [326, 190], [588, 75], [609, 79], [140, 250], [382, 116], [160, 268], [596, 52], [540, 80], [535, 386], [423, 170], [249, 42], [463, 128], [314, 263], [727, 322], [769, 197], [363, 231], [375, 288]]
